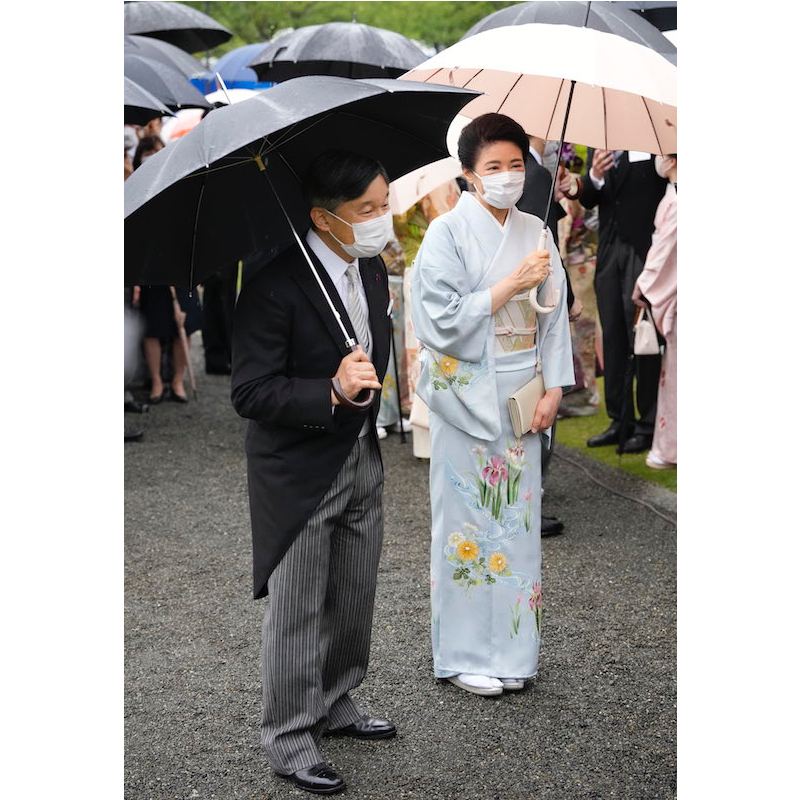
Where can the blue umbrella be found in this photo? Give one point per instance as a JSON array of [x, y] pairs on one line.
[[233, 69]]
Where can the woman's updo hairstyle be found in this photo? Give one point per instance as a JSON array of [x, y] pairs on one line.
[[486, 129]]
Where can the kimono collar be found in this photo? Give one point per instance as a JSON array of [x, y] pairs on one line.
[[488, 214]]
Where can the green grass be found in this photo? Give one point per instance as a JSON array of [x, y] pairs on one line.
[[574, 431]]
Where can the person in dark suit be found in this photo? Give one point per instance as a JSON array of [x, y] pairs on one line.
[[315, 475], [535, 195], [627, 192]]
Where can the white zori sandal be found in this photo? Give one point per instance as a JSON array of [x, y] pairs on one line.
[[512, 684], [477, 684]]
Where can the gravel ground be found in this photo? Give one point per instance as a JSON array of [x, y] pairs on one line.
[[598, 722]]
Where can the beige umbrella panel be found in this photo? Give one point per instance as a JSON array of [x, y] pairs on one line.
[[411, 188], [625, 95]]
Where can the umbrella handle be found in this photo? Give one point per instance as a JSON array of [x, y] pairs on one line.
[[533, 297], [368, 396], [368, 400]]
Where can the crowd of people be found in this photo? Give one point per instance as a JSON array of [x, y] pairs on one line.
[[470, 338]]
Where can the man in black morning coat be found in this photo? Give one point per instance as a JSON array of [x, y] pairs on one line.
[[315, 475], [627, 191]]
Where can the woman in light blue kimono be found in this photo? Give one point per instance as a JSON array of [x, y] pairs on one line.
[[482, 341]]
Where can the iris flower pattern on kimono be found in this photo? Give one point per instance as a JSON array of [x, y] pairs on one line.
[[486, 592]]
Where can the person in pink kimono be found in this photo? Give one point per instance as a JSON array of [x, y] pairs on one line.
[[657, 287]]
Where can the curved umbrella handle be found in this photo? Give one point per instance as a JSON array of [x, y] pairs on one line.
[[369, 397], [554, 294]]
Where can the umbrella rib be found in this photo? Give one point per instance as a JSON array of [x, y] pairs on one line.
[[652, 125], [553, 112], [508, 93], [605, 119]]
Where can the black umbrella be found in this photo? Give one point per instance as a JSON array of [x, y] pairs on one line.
[[141, 106], [165, 83], [611, 17], [165, 53], [663, 15], [205, 200], [176, 23], [347, 49], [232, 185]]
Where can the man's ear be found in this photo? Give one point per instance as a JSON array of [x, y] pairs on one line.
[[319, 218]]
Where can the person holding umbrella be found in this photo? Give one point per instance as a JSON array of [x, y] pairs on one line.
[[483, 342], [626, 189], [315, 475]]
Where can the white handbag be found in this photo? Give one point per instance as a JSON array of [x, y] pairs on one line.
[[645, 338], [522, 404]]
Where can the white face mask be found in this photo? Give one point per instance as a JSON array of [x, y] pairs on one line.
[[371, 236], [502, 189], [663, 165]]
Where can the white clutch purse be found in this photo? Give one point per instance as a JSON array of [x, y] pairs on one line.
[[645, 339], [522, 404]]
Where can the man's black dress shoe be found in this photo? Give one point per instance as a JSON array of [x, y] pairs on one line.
[[135, 407], [638, 443], [134, 436], [319, 779], [608, 436], [552, 526], [367, 728]]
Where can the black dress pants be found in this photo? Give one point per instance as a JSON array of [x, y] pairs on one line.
[[618, 267]]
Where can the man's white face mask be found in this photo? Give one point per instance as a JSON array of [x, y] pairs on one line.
[[502, 189], [371, 236]]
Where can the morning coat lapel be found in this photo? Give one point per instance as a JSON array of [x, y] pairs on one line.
[[370, 270], [308, 283]]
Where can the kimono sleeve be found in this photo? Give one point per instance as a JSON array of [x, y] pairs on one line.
[[448, 315]]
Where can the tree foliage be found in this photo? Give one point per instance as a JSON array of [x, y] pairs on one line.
[[437, 24]]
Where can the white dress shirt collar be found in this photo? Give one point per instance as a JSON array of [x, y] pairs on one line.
[[335, 266], [536, 155]]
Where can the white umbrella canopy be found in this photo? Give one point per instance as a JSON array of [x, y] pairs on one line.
[[412, 187], [625, 95]]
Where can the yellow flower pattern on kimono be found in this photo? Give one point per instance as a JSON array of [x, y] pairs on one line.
[[447, 372], [470, 566]]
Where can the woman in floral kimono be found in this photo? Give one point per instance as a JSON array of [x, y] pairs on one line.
[[482, 341]]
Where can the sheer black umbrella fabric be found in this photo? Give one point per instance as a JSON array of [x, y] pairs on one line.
[[176, 23], [141, 106], [346, 49], [165, 53], [663, 15], [206, 200], [610, 17], [171, 87]]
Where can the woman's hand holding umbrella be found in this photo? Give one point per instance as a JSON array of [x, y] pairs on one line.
[[530, 272]]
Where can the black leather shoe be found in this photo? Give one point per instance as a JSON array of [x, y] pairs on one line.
[[155, 399], [135, 407], [319, 779], [367, 728], [552, 526], [608, 436], [178, 398], [134, 436], [638, 443]]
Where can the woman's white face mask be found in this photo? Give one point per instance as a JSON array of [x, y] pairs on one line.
[[502, 189], [663, 165], [371, 236]]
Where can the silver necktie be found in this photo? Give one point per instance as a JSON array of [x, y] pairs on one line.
[[354, 309]]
